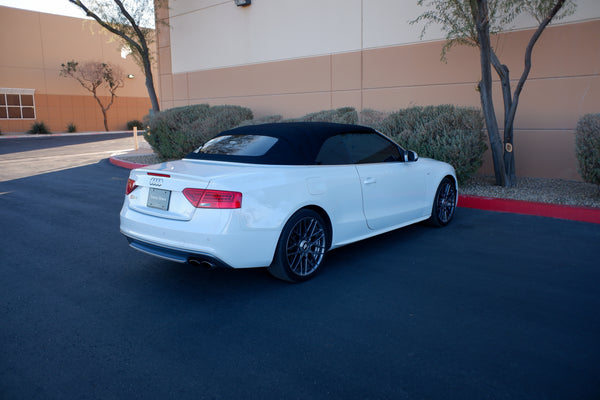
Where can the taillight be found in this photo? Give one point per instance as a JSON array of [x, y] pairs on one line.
[[130, 186], [201, 198]]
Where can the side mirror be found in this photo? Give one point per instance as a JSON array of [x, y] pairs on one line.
[[412, 155]]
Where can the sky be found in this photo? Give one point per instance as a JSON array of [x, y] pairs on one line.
[[60, 7]]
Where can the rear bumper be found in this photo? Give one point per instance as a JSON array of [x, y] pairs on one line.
[[176, 255], [218, 236]]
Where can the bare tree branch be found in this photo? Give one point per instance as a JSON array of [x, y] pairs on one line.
[[129, 30], [93, 76]]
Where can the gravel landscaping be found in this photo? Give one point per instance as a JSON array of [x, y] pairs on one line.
[[555, 191]]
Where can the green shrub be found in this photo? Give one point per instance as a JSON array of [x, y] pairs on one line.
[[178, 131], [268, 119], [446, 133], [587, 147], [71, 128], [344, 115], [38, 127], [133, 123], [372, 118]]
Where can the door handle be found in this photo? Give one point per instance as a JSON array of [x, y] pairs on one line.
[[369, 181]]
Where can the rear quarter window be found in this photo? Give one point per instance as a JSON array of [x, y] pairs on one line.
[[238, 145], [334, 152]]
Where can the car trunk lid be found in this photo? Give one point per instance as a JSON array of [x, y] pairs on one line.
[[159, 189]]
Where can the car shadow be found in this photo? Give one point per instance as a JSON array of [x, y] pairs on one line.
[[341, 265]]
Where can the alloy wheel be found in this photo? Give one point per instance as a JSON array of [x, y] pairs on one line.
[[305, 246], [446, 202]]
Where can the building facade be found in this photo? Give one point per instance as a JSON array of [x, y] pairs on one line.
[[34, 45], [293, 57]]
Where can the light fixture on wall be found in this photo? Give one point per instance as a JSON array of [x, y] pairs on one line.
[[130, 76], [243, 3]]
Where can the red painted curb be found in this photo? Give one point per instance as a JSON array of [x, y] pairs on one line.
[[125, 164], [583, 214]]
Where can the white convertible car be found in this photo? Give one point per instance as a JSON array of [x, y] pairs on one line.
[[281, 195]]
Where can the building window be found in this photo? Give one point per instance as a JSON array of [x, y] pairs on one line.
[[17, 103]]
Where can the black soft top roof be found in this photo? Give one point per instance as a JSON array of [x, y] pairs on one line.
[[298, 142]]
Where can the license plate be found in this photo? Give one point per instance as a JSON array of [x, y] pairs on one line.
[[159, 198]]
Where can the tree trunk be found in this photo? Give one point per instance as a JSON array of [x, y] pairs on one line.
[[511, 102], [509, 158], [493, 132], [102, 108], [150, 84], [479, 9], [105, 120], [509, 155]]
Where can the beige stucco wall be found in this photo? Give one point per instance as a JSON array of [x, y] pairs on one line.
[[210, 34], [34, 45], [563, 85]]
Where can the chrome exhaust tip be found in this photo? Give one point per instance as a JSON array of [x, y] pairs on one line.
[[201, 263]]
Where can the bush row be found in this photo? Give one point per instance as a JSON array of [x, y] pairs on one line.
[[446, 133], [39, 127], [587, 147], [344, 115]]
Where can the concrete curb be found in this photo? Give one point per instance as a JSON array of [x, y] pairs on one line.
[[583, 214], [43, 135], [125, 164]]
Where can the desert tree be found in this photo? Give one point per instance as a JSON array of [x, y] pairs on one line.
[[472, 23], [96, 77], [132, 21]]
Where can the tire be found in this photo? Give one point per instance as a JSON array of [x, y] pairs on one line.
[[444, 203], [301, 247]]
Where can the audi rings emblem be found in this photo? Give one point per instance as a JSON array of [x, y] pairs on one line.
[[156, 182]]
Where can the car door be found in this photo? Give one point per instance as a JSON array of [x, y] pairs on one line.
[[393, 190]]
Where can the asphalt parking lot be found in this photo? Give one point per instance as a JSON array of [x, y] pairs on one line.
[[494, 306]]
